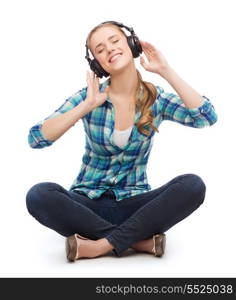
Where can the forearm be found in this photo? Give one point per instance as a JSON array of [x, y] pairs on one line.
[[54, 128], [189, 96]]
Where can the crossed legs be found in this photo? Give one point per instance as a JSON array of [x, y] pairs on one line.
[[54, 207]]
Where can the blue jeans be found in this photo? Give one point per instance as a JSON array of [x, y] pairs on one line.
[[122, 223]]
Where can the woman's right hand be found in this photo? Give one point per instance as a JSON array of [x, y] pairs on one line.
[[94, 96]]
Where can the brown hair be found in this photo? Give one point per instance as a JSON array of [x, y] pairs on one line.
[[146, 92]]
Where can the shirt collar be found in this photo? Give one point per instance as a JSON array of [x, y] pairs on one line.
[[104, 85]]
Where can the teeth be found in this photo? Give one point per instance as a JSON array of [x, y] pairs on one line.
[[114, 57]]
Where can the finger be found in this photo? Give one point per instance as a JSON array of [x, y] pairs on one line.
[[96, 83], [148, 46], [142, 62], [89, 90], [142, 43], [149, 51], [94, 80], [91, 78], [145, 46], [87, 77], [151, 48], [146, 49], [148, 55]]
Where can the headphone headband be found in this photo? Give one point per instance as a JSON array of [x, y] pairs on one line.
[[120, 25]]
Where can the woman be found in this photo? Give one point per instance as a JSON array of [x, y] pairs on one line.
[[110, 205]]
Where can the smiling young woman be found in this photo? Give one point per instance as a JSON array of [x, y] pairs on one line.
[[110, 205]]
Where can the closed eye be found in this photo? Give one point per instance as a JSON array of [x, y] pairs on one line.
[[113, 43]]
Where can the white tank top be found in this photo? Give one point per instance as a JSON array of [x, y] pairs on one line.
[[121, 137]]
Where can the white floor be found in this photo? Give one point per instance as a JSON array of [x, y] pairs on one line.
[[200, 245]]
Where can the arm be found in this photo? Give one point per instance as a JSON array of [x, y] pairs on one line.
[[46, 132], [188, 107], [189, 96], [172, 108], [54, 128]]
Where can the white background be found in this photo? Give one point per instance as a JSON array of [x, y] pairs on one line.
[[42, 64]]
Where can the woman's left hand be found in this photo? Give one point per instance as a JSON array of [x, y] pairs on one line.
[[156, 61]]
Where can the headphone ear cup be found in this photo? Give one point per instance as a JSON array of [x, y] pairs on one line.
[[98, 69], [134, 45]]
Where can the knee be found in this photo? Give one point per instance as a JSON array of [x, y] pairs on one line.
[[196, 187], [37, 197]]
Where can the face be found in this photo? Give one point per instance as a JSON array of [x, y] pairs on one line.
[[109, 46]]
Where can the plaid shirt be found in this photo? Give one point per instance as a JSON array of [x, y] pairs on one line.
[[107, 166]]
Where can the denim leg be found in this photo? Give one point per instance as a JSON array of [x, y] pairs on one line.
[[65, 212], [168, 205]]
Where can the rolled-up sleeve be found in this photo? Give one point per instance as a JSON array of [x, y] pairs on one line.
[[36, 139], [172, 108]]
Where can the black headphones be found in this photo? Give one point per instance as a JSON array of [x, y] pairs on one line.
[[133, 43]]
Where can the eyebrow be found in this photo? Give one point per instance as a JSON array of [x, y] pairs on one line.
[[110, 37]]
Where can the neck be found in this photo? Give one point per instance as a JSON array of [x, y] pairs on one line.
[[125, 83]]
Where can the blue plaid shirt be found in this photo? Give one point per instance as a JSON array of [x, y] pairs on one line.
[[122, 169]]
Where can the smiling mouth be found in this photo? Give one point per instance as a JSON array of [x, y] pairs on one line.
[[115, 57]]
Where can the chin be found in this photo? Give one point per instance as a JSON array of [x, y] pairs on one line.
[[119, 68]]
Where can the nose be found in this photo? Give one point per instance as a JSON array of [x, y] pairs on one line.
[[110, 48]]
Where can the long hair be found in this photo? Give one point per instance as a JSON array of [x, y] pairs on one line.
[[146, 92]]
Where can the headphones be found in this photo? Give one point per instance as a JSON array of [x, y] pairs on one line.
[[133, 43]]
